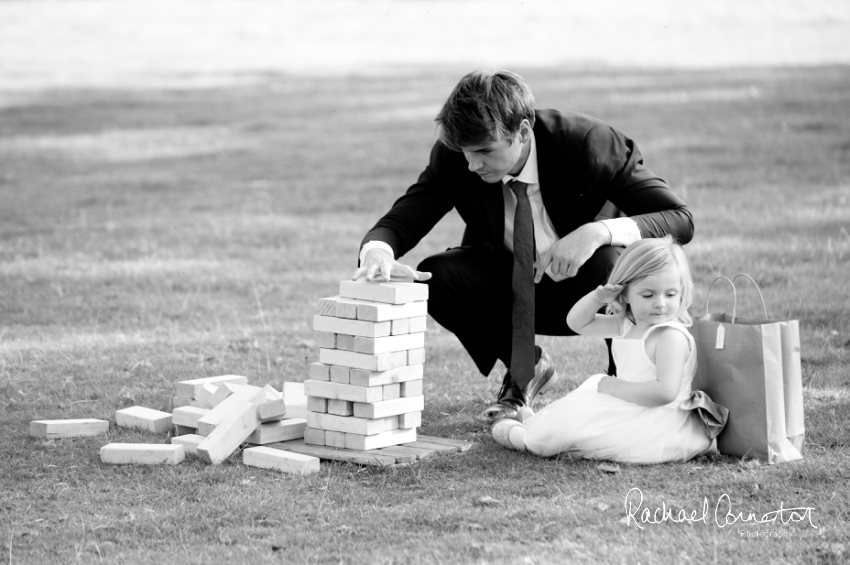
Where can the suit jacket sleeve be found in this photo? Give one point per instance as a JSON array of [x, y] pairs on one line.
[[417, 211], [615, 168]]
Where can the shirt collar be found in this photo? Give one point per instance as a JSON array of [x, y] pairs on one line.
[[528, 174]]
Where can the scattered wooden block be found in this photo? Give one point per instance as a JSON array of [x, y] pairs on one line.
[[188, 416], [317, 404], [352, 425], [329, 453], [400, 326], [410, 420], [387, 292], [350, 327], [335, 439], [416, 356], [178, 401], [345, 342], [205, 394], [230, 433], [271, 410], [55, 429], [286, 461], [411, 388], [342, 392], [183, 430], [391, 391], [376, 345], [223, 392], [320, 372], [143, 418], [383, 439], [382, 362], [360, 377], [293, 393], [190, 442], [271, 393], [418, 324], [340, 374], [340, 407], [324, 339], [142, 454], [389, 407], [282, 430], [217, 415], [314, 436], [189, 389]]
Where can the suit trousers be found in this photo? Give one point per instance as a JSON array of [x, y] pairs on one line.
[[469, 294]]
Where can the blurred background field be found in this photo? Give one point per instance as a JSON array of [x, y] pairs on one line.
[[181, 181]]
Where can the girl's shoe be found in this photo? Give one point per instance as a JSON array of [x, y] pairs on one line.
[[523, 413], [501, 432]]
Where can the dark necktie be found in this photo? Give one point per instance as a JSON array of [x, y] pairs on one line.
[[522, 342]]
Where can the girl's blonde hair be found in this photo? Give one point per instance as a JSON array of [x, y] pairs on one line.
[[648, 257]]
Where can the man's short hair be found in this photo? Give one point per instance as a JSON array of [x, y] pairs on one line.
[[485, 106]]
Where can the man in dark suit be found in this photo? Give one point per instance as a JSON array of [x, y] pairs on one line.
[[533, 180]]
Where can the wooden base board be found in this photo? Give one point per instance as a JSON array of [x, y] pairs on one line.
[[423, 448]]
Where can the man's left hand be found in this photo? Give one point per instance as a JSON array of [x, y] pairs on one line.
[[568, 254]]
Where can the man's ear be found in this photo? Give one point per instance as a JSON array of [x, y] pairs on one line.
[[524, 131]]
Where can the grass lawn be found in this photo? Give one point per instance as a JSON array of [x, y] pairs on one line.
[[150, 236]]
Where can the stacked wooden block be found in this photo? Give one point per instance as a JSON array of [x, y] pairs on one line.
[[365, 392]]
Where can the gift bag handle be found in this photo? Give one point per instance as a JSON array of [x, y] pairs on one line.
[[761, 296]]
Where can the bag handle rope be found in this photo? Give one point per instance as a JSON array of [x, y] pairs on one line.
[[755, 284], [735, 294]]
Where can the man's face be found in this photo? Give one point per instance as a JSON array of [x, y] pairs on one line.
[[495, 159]]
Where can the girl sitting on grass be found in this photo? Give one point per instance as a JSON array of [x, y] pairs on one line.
[[647, 414]]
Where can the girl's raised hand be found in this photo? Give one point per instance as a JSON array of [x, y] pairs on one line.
[[608, 293]]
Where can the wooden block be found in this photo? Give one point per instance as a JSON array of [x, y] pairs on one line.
[[271, 410], [314, 436], [271, 393], [340, 374], [55, 429], [295, 411], [389, 407], [410, 420], [281, 430], [345, 309], [416, 356], [360, 377], [392, 391], [377, 312], [143, 418], [189, 389], [317, 404], [327, 306], [418, 324], [341, 407], [383, 439], [350, 327], [389, 343], [217, 415], [293, 393], [345, 342], [183, 430], [458, 444], [222, 392], [411, 388], [324, 339], [230, 433], [178, 401], [382, 362], [286, 461], [400, 326], [335, 439], [320, 372], [329, 453], [189, 442], [347, 424], [188, 416], [142, 453], [342, 392], [205, 394], [387, 292]]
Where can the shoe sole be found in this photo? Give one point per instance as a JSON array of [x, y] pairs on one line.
[[552, 380]]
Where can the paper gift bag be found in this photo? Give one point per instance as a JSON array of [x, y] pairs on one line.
[[752, 367]]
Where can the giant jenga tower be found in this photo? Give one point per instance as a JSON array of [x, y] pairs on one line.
[[366, 390]]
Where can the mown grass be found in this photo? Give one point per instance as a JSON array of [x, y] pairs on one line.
[[151, 236]]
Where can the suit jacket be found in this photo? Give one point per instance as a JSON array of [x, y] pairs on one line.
[[582, 163]]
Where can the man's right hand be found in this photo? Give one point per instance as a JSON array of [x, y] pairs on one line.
[[378, 264]]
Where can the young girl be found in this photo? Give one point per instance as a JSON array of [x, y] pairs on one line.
[[647, 414]]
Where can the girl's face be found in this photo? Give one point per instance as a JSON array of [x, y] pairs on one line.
[[656, 298]]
